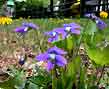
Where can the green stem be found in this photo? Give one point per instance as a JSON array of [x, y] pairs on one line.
[[53, 80], [23, 40], [38, 41]]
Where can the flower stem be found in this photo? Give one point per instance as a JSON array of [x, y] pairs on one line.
[[54, 78], [38, 40]]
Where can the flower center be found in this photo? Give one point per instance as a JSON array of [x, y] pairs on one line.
[[26, 29], [97, 21], [52, 56], [68, 29], [53, 34]]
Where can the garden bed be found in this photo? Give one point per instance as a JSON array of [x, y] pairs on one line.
[[32, 73]]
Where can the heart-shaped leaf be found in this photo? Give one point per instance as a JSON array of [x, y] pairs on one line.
[[99, 55]]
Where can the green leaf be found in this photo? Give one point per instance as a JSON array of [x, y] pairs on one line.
[[68, 76], [73, 66], [90, 28], [67, 43], [82, 78], [98, 55], [90, 33], [107, 87], [40, 80], [33, 86], [71, 71], [15, 82]]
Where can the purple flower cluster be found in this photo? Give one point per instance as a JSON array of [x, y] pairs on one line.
[[25, 28], [62, 32], [53, 56], [91, 16], [100, 23]]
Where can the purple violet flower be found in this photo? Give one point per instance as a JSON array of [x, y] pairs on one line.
[[56, 34], [22, 60], [63, 32], [91, 16], [53, 36], [30, 25], [72, 28], [73, 25], [53, 56], [100, 23], [67, 29], [56, 50], [25, 28], [22, 29]]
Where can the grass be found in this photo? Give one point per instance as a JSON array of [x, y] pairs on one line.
[[44, 25]]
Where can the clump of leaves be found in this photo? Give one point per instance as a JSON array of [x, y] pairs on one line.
[[18, 80]]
